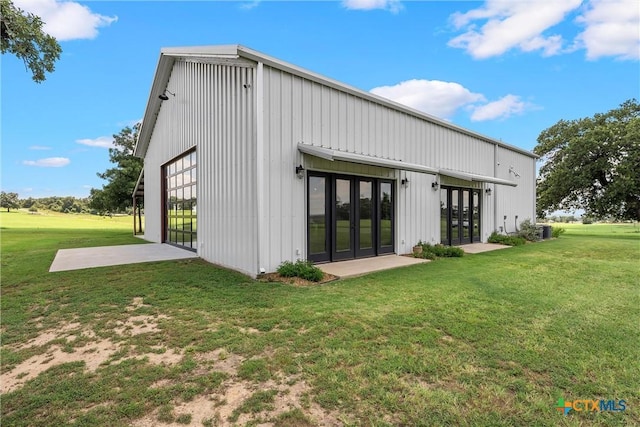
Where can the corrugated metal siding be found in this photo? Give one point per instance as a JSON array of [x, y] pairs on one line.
[[520, 200], [299, 110], [213, 111]]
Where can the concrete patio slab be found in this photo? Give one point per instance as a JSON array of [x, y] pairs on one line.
[[358, 267], [477, 248], [102, 256]]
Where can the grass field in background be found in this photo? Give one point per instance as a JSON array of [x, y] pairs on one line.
[[601, 229], [488, 339], [56, 220]]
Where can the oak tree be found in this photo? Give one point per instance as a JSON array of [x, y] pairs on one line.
[[22, 35], [593, 164], [116, 195]]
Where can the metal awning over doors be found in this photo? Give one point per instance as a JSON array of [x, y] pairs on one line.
[[332, 154], [477, 178]]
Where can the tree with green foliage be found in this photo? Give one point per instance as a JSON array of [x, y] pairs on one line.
[[9, 200], [115, 196], [593, 164], [22, 35]]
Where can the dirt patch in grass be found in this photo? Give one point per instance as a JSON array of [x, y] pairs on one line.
[[136, 325], [93, 354], [234, 404], [296, 281], [47, 336], [138, 302], [221, 361]]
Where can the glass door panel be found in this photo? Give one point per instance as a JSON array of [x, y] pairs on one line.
[[385, 209], [455, 217], [475, 234], [318, 219], [465, 217], [365, 218], [343, 219], [444, 216]]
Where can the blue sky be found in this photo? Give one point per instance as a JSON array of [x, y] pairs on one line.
[[505, 69]]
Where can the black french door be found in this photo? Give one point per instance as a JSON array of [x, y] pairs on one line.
[[459, 215], [348, 217]]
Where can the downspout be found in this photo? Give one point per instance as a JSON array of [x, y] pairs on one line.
[[259, 165]]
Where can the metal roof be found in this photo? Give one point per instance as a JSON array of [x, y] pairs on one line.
[[240, 55]]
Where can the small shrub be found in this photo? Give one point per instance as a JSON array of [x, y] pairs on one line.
[[303, 269], [586, 220], [501, 239], [287, 269], [557, 231], [529, 231], [33, 209], [438, 251]]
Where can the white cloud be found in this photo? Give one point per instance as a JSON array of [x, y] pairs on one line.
[[39, 147], [511, 24], [393, 6], [612, 29], [250, 5], [435, 97], [504, 107], [444, 99], [49, 162], [66, 20], [101, 141]]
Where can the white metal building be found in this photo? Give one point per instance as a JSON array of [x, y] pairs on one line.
[[251, 161]]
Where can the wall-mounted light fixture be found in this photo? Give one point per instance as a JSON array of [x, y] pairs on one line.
[[404, 182], [300, 171], [435, 185], [164, 96], [488, 191], [513, 171]]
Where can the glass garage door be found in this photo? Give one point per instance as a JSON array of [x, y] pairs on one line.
[[181, 217]]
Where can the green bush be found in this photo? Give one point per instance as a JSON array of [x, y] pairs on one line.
[[501, 239], [529, 231], [438, 251], [303, 269], [557, 231], [586, 220]]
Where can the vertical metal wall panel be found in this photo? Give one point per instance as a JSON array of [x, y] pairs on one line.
[[301, 110], [520, 200], [213, 111]]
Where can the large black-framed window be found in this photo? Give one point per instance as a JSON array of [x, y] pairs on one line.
[[180, 201], [349, 216]]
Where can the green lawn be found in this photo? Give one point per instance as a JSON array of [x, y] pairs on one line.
[[488, 339]]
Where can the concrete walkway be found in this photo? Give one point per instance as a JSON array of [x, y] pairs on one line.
[[477, 248], [357, 267], [77, 259]]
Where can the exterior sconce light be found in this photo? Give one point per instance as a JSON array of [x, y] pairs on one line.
[[300, 172], [434, 186], [164, 96], [513, 171], [404, 182], [488, 191]]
